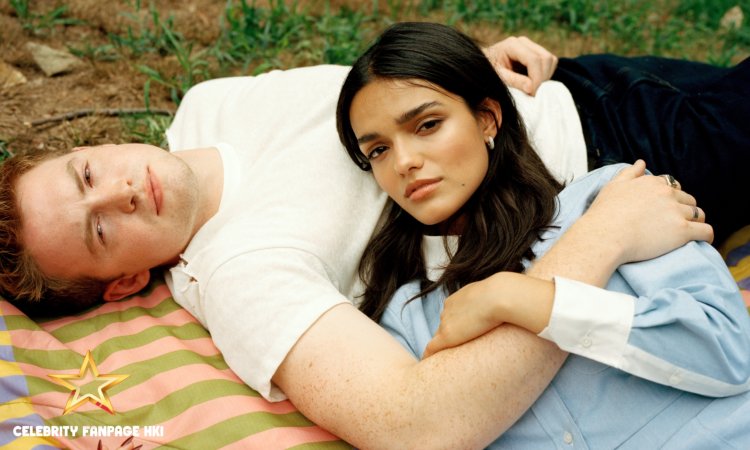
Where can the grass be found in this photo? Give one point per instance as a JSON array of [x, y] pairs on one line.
[[254, 38]]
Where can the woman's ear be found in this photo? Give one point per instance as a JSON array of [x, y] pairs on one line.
[[126, 285], [490, 117]]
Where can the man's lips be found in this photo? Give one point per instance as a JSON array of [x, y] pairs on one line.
[[420, 188], [155, 191]]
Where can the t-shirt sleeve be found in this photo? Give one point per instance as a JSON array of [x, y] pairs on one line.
[[257, 305]]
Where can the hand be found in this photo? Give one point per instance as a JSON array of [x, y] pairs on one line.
[[508, 54], [467, 314], [484, 305], [644, 216]]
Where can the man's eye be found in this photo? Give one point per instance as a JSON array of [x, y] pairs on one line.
[[100, 231], [87, 175]]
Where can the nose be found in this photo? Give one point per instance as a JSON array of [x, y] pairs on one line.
[[407, 158], [115, 195]]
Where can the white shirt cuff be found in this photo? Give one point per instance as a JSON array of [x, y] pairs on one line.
[[590, 321]]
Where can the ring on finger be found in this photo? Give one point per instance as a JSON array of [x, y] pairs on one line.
[[696, 213], [671, 181]]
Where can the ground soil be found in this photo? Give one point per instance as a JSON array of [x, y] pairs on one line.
[[96, 84]]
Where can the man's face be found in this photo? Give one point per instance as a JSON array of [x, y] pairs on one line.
[[107, 211]]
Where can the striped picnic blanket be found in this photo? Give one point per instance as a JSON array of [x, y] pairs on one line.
[[736, 253], [153, 371]]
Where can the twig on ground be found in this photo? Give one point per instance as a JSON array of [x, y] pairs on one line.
[[101, 112]]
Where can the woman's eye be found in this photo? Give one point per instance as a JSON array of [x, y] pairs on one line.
[[87, 175], [374, 153], [429, 125]]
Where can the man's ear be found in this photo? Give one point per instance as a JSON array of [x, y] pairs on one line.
[[126, 285], [490, 117]]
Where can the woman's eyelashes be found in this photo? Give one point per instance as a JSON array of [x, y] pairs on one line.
[[424, 127], [375, 152], [429, 126]]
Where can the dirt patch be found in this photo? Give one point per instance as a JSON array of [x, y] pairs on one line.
[[98, 83]]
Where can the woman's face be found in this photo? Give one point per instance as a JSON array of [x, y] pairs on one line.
[[426, 147]]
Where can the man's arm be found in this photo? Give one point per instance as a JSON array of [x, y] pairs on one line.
[[351, 377], [522, 63]]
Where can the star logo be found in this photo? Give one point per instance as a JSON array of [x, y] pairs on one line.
[[89, 385]]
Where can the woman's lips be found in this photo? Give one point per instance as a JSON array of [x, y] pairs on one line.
[[420, 189]]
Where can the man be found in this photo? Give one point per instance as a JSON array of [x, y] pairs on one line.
[[263, 222]]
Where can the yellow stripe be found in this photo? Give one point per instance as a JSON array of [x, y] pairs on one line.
[[737, 239], [15, 409], [4, 338], [9, 368], [741, 270], [25, 443]]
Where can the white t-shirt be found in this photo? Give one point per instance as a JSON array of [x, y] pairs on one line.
[[295, 214]]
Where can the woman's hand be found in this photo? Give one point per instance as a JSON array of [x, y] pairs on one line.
[[522, 63], [481, 306]]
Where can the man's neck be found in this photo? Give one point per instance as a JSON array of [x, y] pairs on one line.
[[208, 168]]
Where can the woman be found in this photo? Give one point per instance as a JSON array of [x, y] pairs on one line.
[[426, 111]]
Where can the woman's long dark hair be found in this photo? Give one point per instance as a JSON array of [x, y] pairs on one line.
[[511, 207]]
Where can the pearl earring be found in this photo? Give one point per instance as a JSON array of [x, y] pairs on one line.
[[490, 143]]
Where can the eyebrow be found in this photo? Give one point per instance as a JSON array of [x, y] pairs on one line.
[[402, 119], [88, 237]]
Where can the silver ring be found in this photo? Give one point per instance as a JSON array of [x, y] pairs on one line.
[[695, 213], [671, 181]]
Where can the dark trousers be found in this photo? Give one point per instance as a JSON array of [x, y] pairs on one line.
[[688, 119]]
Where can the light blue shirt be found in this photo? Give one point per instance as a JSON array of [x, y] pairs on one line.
[[686, 330]]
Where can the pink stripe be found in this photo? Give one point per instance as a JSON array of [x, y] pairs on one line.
[[282, 438], [7, 309], [137, 325], [41, 340], [157, 296], [201, 346], [35, 340], [161, 385]]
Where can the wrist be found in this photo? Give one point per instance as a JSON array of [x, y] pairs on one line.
[[525, 301]]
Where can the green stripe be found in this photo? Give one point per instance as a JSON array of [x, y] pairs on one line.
[[238, 428], [185, 332], [52, 360], [167, 408], [333, 445], [139, 371], [85, 327], [142, 371], [157, 280], [66, 359], [20, 323]]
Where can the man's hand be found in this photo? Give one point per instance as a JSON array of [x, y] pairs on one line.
[[522, 63], [652, 217]]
